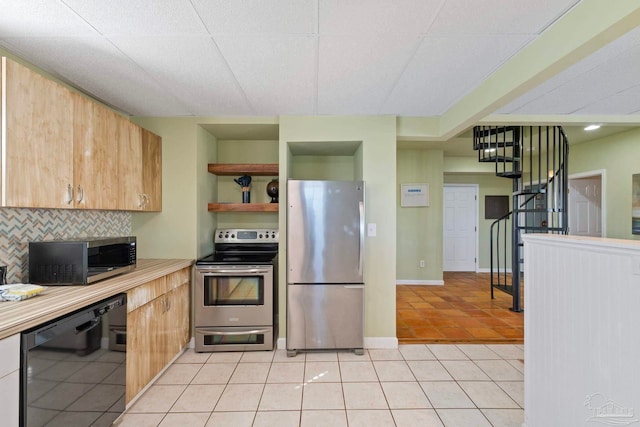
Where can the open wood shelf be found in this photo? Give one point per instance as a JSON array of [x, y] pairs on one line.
[[258, 169], [243, 207]]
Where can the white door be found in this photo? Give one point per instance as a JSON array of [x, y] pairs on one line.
[[585, 206], [460, 234]]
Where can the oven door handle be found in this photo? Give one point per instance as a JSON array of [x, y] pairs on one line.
[[253, 271], [251, 332]]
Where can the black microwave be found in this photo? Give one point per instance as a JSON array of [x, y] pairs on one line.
[[80, 261]]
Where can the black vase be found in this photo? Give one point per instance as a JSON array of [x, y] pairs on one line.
[[272, 190]]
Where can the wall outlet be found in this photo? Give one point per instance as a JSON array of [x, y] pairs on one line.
[[421, 263]]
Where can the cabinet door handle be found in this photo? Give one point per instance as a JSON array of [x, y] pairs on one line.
[[80, 194], [69, 194]]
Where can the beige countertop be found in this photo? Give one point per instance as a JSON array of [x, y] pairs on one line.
[[56, 301]]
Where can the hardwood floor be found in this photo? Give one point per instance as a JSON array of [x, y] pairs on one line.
[[461, 311]]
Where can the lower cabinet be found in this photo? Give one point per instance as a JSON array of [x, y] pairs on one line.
[[157, 327]]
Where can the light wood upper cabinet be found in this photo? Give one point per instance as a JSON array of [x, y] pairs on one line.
[[95, 142], [152, 170], [130, 166], [63, 150], [140, 169], [38, 149]]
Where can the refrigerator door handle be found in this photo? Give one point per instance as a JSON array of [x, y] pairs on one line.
[[361, 257]]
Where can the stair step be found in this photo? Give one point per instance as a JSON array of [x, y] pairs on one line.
[[497, 159], [545, 229], [529, 192], [495, 131], [493, 144], [509, 174], [549, 210]]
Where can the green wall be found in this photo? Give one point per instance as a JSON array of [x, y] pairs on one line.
[[245, 151], [419, 229], [173, 233], [619, 156]]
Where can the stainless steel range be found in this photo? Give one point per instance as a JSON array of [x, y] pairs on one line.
[[235, 292]]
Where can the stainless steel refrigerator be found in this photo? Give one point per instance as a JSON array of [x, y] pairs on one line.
[[325, 265]]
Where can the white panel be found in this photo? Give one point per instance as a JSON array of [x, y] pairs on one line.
[[581, 318], [356, 73], [258, 16], [206, 85], [340, 17], [498, 16], [157, 17], [445, 69], [35, 18], [10, 395], [9, 354], [277, 73], [98, 68]]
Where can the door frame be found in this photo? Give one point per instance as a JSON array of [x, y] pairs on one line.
[[476, 189], [602, 173]]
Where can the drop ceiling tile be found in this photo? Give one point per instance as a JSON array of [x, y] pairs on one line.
[[613, 76], [96, 67], [258, 16], [498, 16], [277, 73], [626, 102], [613, 53], [357, 73], [36, 18], [191, 68], [338, 17], [157, 17], [445, 69]]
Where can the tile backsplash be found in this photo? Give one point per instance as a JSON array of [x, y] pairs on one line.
[[20, 226]]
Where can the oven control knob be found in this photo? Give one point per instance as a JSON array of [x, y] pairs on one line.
[[260, 236], [233, 236]]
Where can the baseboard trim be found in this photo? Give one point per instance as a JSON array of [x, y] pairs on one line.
[[420, 282], [369, 342], [381, 342]]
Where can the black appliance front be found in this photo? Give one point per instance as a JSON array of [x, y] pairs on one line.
[[67, 375]]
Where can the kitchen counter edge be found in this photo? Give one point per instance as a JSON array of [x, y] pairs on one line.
[[57, 301]]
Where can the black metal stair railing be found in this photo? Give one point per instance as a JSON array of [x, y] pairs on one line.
[[535, 158]]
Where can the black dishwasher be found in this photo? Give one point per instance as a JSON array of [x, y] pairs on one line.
[[69, 375]]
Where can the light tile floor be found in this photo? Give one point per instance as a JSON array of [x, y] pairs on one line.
[[465, 385]]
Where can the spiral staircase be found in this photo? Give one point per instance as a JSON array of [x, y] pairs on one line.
[[535, 159]]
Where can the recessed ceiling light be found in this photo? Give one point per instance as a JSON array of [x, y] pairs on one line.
[[592, 127]]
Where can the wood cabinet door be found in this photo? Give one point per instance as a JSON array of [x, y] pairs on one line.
[[152, 170], [95, 144], [177, 321], [38, 150], [146, 343], [130, 166]]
